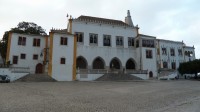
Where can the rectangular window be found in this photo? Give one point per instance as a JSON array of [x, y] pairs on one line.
[[23, 56], [63, 40], [62, 60], [93, 38], [36, 42], [149, 54], [130, 41], [35, 57], [180, 52], [15, 59], [80, 36], [22, 41], [106, 40], [173, 65], [119, 41], [137, 44], [147, 43], [172, 52], [165, 65], [164, 51]]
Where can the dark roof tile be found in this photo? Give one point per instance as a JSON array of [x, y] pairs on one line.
[[102, 20]]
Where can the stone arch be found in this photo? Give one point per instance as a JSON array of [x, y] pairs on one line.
[[130, 64], [39, 68], [115, 63], [81, 62], [98, 63]]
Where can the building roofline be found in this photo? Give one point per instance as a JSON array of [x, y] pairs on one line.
[[102, 21], [147, 36], [170, 41], [188, 47], [29, 34], [60, 31]]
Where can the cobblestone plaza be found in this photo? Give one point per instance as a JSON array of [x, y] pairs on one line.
[[134, 96]]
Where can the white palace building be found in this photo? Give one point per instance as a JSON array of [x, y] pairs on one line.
[[91, 47]]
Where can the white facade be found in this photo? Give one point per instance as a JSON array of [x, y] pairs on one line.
[[107, 53], [189, 53], [26, 48], [148, 63], [91, 47], [62, 72], [165, 53]]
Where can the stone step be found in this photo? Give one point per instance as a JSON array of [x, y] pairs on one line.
[[115, 77], [36, 78]]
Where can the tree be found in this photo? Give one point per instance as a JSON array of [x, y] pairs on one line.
[[191, 67], [22, 27]]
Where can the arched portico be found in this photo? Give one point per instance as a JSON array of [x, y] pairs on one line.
[[98, 63], [81, 63], [115, 63], [130, 64]]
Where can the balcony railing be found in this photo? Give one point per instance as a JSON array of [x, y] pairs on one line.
[[19, 69], [104, 71]]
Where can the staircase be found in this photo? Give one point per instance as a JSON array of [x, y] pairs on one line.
[[36, 78], [117, 77]]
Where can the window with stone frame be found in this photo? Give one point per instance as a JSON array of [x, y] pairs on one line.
[[173, 64], [106, 40], [93, 38], [148, 43], [63, 40], [119, 41], [149, 54], [36, 42], [137, 43], [164, 51], [180, 53], [80, 37], [172, 52], [165, 64], [131, 41], [22, 41], [191, 53], [23, 56], [62, 60], [35, 56], [15, 59]]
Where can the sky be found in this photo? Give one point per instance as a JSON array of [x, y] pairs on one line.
[[177, 20]]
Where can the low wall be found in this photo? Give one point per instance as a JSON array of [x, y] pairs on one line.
[[88, 77], [13, 75], [142, 76]]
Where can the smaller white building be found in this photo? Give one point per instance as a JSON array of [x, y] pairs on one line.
[[171, 53], [26, 50], [62, 54]]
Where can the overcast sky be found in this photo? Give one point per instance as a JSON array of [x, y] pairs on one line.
[[166, 19]]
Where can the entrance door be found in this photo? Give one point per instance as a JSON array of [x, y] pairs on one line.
[[150, 74], [38, 68]]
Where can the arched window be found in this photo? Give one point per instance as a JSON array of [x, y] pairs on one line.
[[81, 63], [130, 64], [98, 63]]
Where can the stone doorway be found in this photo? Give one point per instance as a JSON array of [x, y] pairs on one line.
[[150, 74], [39, 68]]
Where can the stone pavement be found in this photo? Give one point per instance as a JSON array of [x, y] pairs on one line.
[[132, 96]]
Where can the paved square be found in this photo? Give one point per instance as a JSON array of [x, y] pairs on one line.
[[136, 96]]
